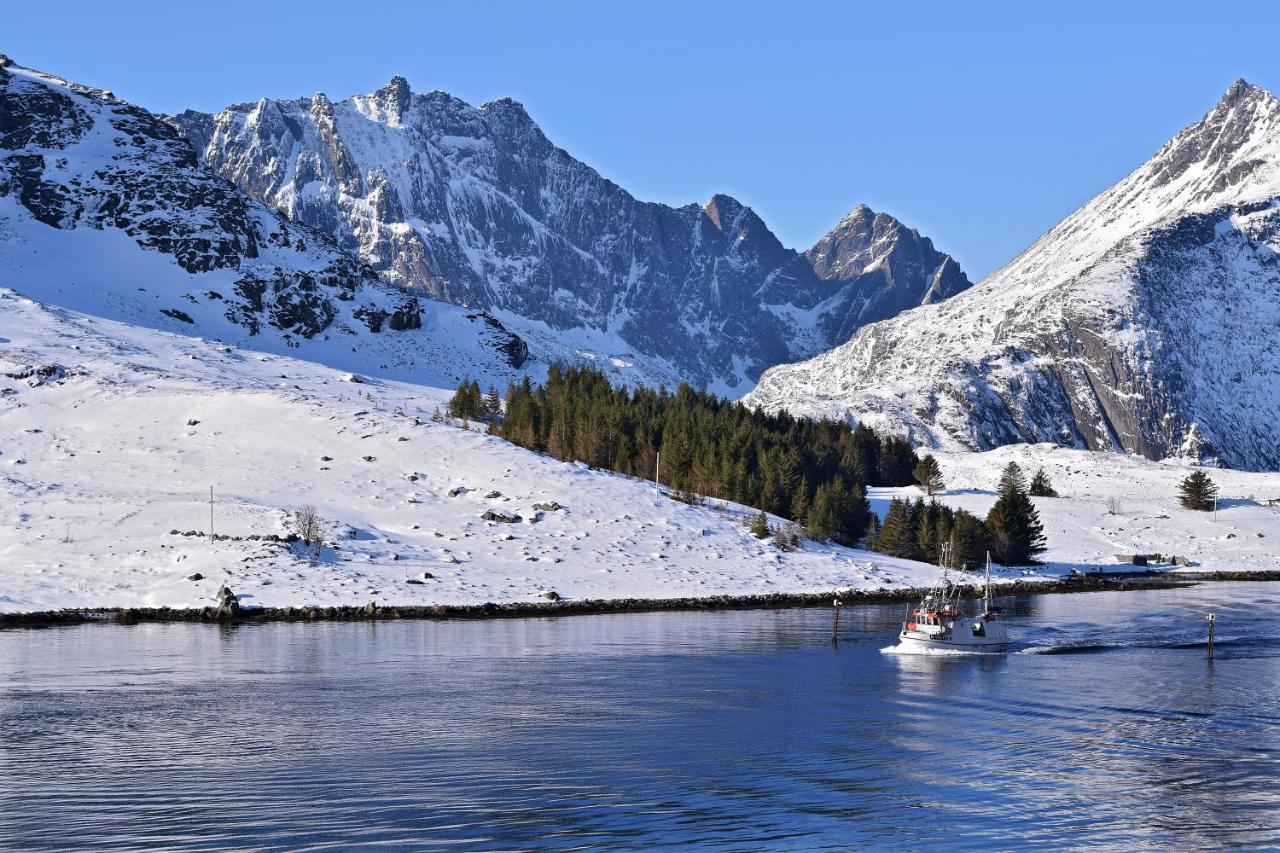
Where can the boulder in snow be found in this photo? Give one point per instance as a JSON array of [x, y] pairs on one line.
[[500, 516]]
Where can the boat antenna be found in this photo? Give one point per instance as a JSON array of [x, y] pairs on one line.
[[986, 594]]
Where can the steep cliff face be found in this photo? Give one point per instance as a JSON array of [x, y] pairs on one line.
[[475, 206], [1146, 321], [883, 268], [105, 209]]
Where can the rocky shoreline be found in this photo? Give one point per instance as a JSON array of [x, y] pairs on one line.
[[525, 609]]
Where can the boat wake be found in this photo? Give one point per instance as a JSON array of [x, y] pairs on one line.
[[917, 651]]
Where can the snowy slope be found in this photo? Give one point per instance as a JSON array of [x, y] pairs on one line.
[[105, 210], [474, 205], [1146, 321], [101, 459]]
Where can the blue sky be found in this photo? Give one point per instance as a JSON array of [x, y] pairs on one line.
[[981, 124]]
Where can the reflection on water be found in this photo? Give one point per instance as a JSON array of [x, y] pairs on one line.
[[1104, 726]]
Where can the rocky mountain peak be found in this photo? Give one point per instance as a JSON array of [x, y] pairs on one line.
[[394, 98], [723, 210]]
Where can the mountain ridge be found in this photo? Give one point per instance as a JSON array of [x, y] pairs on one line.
[[1121, 328], [476, 206]]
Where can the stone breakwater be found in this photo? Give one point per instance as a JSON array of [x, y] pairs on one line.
[[521, 609]]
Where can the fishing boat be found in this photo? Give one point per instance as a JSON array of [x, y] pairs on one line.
[[938, 623]]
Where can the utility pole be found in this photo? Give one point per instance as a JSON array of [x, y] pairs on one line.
[[211, 515], [657, 464], [1215, 508]]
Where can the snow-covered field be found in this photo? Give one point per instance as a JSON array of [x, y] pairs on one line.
[[98, 467], [1081, 530]]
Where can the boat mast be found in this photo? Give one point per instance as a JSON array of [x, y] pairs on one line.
[[986, 593]]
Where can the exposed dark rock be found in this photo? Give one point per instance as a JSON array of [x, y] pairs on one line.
[[500, 516]]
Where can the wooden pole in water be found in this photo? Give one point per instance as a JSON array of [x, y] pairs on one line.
[[835, 623], [1212, 619]]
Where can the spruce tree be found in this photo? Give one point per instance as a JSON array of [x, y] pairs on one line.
[[760, 525], [968, 541], [822, 513], [460, 404], [492, 404], [933, 530], [1012, 479], [928, 475], [800, 503], [855, 513], [1198, 492], [896, 536], [1013, 524], [1040, 486]]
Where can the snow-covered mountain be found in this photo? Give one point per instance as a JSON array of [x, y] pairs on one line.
[[1147, 321], [105, 209], [474, 205]]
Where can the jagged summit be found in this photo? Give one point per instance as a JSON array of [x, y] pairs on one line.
[[1241, 90], [1146, 316], [474, 205], [723, 209]]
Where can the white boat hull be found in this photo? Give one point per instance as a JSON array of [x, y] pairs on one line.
[[988, 645]]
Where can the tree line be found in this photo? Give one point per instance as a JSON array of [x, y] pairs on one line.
[[813, 472]]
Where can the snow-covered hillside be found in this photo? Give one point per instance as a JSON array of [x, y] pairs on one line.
[[116, 443], [1146, 321], [474, 205]]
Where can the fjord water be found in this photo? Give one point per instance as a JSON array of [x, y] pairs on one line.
[[1105, 727]]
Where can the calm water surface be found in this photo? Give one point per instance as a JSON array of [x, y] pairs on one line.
[[1105, 727]]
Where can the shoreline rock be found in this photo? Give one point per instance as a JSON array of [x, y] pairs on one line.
[[572, 607]]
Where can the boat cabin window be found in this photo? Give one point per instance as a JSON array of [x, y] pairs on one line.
[[979, 630]]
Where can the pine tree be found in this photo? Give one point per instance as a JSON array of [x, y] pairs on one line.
[[800, 503], [849, 512], [1040, 486], [928, 475], [461, 404], [897, 461], [896, 536], [855, 513], [968, 541], [760, 526], [861, 458], [1012, 479], [1013, 525], [493, 404], [933, 530], [1198, 492], [822, 514]]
